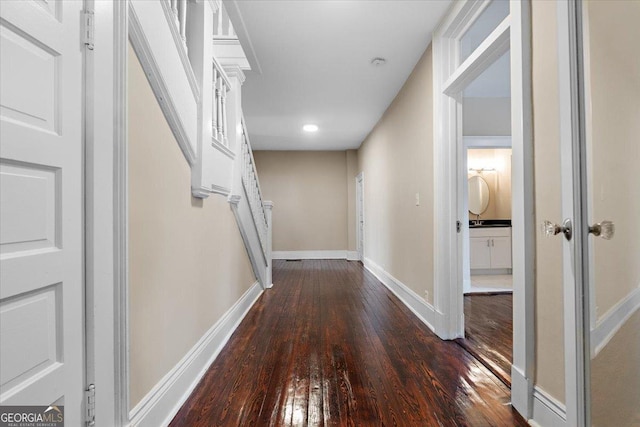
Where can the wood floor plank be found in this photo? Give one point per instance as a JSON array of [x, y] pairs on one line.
[[329, 345], [489, 332]]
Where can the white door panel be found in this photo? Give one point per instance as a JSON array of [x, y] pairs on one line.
[[41, 206]]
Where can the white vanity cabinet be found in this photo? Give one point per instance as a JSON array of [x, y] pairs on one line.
[[490, 248]]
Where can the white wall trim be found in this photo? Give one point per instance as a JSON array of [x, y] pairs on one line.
[[106, 211], [333, 254], [513, 33], [179, 108], [613, 320], [223, 149], [161, 404], [487, 141], [521, 389], [249, 232], [547, 411], [353, 256], [421, 308]]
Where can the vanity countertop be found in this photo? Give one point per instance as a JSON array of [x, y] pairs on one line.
[[490, 223]]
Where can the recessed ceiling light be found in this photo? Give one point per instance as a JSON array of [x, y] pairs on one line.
[[378, 61], [310, 128]]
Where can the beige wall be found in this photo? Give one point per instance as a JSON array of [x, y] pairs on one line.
[[546, 128], [309, 191], [498, 181], [614, 72], [397, 161], [613, 127], [486, 116], [188, 264]]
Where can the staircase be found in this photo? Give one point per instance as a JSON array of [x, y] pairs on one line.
[[253, 214], [194, 62]]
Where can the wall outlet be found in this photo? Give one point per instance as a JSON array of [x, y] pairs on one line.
[[417, 199], [426, 295]]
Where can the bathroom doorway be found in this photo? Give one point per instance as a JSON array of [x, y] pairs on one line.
[[487, 238]]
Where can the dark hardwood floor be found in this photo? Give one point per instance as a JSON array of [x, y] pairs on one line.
[[489, 332], [330, 345]]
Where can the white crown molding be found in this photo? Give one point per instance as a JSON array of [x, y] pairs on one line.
[[268, 204], [234, 199], [233, 70], [166, 398], [204, 192]]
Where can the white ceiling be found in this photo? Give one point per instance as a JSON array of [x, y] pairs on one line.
[[312, 64]]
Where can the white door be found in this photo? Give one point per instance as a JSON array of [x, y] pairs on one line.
[[601, 101], [611, 59], [41, 227], [360, 215]]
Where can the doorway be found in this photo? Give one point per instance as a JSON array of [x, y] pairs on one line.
[[360, 215], [487, 238], [470, 39]]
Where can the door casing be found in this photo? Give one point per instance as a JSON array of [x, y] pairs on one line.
[[450, 78]]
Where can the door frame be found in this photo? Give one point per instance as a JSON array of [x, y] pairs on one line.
[[575, 206], [450, 78], [360, 213], [106, 211]]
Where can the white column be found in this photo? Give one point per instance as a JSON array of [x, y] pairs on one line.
[[219, 89], [223, 95], [268, 211], [214, 108]]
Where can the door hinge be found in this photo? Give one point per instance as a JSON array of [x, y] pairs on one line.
[[90, 402], [88, 29], [458, 226]]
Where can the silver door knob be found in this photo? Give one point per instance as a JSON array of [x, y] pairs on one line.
[[604, 229], [550, 229]]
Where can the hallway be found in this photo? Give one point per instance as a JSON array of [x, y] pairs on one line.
[[329, 344]]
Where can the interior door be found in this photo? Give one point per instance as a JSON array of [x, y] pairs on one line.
[[611, 58], [41, 217], [360, 216]]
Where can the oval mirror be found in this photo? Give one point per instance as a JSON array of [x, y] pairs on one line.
[[478, 195]]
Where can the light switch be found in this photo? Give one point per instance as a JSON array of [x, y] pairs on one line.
[[417, 199]]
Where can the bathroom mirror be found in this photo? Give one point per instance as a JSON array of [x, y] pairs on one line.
[[478, 195]]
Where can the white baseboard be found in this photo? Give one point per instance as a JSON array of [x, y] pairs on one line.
[[613, 320], [521, 392], [353, 256], [166, 398], [309, 254], [421, 308], [547, 411]]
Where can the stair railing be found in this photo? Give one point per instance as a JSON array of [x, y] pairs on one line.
[[251, 186]]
